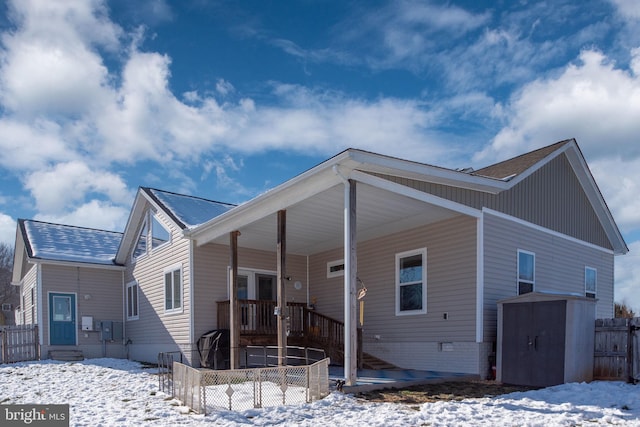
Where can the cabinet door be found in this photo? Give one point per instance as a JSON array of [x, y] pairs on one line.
[[549, 330], [533, 343], [516, 343]]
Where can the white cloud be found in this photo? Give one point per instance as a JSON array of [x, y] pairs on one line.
[[60, 187], [93, 214], [51, 65], [7, 229], [593, 101], [629, 9]]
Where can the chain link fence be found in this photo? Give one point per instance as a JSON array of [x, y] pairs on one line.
[[205, 390]]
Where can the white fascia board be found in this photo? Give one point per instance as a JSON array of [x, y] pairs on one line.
[[128, 237], [387, 185], [582, 171], [39, 261], [18, 256], [281, 197], [422, 172]]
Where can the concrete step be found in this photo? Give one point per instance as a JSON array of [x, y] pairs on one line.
[[372, 362], [66, 355]]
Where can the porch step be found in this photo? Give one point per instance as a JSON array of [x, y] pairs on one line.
[[372, 362], [66, 355]]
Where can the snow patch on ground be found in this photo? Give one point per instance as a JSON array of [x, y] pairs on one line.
[[115, 392]]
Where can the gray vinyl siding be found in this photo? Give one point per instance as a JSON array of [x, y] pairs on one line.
[[551, 197], [211, 264], [166, 330], [559, 266], [451, 283], [98, 294]]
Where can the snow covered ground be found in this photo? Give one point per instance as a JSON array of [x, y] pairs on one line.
[[113, 392]]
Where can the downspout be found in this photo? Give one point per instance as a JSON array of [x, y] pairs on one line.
[[191, 305], [350, 350], [124, 312]]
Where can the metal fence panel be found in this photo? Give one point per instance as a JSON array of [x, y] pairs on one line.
[[205, 390]]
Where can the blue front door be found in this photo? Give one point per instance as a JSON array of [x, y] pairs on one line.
[[62, 319]]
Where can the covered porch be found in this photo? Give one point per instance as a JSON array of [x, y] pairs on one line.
[[329, 209]]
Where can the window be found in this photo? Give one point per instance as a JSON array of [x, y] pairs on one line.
[[152, 230], [590, 282], [411, 282], [173, 289], [132, 301], [159, 234], [335, 268], [526, 272], [141, 244]]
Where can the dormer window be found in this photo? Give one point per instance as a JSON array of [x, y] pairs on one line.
[[154, 231]]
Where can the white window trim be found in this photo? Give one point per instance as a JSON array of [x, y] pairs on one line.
[[586, 291], [171, 269], [518, 280], [336, 263], [399, 256], [155, 216], [137, 308]]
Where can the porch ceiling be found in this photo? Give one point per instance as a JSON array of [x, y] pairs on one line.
[[317, 223]]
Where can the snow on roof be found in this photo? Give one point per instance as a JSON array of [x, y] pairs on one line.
[[59, 242], [189, 211]]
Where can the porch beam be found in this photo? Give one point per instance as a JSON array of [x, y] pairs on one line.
[[350, 279], [234, 315], [281, 252]]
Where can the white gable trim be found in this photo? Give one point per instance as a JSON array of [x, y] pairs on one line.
[[545, 230]]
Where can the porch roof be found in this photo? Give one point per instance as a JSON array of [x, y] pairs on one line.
[[315, 204]]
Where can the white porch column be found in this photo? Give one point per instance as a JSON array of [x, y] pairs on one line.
[[350, 279]]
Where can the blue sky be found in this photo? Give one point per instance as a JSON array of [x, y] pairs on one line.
[[226, 99]]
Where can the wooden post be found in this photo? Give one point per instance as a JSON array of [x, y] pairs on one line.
[[234, 313], [282, 300]]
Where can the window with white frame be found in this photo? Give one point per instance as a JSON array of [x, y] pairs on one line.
[[335, 268], [159, 233], [132, 301], [526, 272], [411, 282], [173, 289], [590, 282], [154, 231]]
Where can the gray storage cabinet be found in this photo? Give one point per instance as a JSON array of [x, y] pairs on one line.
[[545, 339]]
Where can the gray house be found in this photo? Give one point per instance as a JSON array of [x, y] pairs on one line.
[[374, 257]]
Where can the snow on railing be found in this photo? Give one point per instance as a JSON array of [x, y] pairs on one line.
[[205, 390]]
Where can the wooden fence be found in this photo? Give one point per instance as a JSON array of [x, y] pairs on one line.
[[617, 349], [19, 343]]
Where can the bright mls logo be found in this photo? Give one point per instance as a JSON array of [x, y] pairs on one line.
[[34, 415]]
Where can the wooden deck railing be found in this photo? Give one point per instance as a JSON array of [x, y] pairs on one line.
[[257, 318]]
